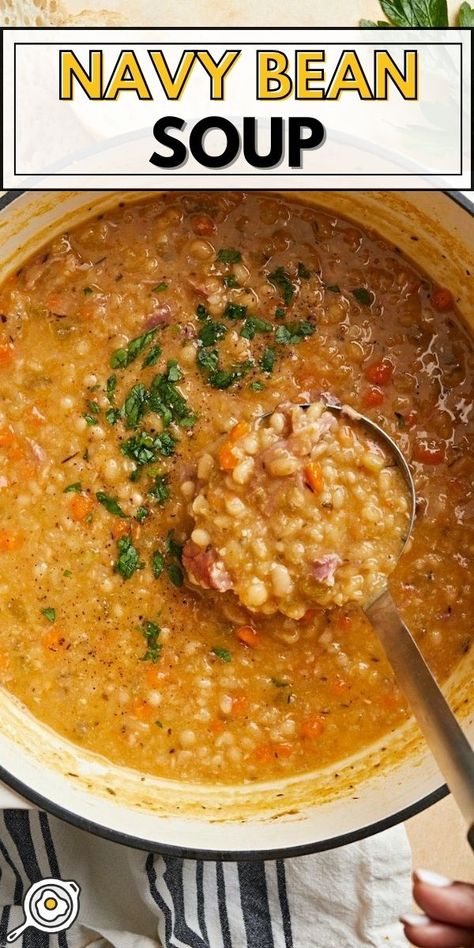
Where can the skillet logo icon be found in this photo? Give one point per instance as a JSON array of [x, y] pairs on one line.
[[50, 905]]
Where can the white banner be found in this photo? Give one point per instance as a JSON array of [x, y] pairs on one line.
[[292, 108]]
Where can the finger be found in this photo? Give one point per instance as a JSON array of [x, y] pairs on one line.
[[444, 901], [423, 932]]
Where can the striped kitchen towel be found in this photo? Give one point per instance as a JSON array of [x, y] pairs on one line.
[[343, 898]]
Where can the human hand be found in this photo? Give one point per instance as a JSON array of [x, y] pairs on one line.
[[448, 907]]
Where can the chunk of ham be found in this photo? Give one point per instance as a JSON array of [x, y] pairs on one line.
[[205, 568], [161, 316], [324, 568]]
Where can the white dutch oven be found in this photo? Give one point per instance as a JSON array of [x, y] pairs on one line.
[[368, 793]]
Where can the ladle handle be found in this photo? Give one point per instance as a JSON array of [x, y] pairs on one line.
[[443, 734]]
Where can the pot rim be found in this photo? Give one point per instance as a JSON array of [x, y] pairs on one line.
[[286, 852]]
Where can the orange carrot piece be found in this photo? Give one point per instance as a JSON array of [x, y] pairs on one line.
[[217, 726], [248, 636], [81, 506], [380, 373], [264, 753], [9, 541], [6, 354], [120, 528], [143, 710], [309, 615], [312, 728], [283, 750], [203, 225], [313, 476], [239, 431], [53, 640], [7, 437], [372, 397], [227, 458], [239, 706]]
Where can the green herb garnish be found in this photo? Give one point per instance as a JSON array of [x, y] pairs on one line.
[[222, 653], [73, 488], [122, 358], [253, 325], [363, 295], [229, 255], [110, 504], [230, 282], [157, 563], [332, 287], [159, 288], [175, 574], [412, 13], [128, 558], [211, 332], [224, 378], [152, 632], [303, 272], [280, 313], [257, 386], [110, 387], [144, 448], [91, 420], [160, 490], [235, 311], [281, 280], [268, 360], [135, 405], [294, 332], [201, 312], [67, 572], [208, 360], [142, 514], [152, 357], [49, 613], [112, 415], [88, 291]]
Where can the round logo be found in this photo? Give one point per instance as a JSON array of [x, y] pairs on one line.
[[51, 905]]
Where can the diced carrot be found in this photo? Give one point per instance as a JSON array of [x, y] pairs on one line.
[[9, 541], [203, 225], [239, 431], [442, 299], [373, 396], [344, 621], [313, 476], [239, 706], [81, 506], [54, 302], [27, 471], [309, 615], [227, 458], [283, 750], [428, 452], [264, 753], [17, 452], [338, 685], [248, 636], [143, 710], [217, 726], [380, 373], [120, 528], [53, 640], [313, 727], [7, 437], [6, 354]]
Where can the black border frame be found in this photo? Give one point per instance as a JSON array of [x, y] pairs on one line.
[[133, 842]]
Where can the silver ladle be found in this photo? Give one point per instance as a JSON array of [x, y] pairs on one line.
[[443, 734]]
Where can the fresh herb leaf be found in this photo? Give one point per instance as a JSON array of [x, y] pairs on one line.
[[257, 386], [208, 360], [152, 357], [49, 613], [281, 280], [332, 287], [230, 282], [412, 13], [370, 24], [253, 325], [110, 504], [142, 514], [235, 311], [400, 419], [159, 723], [112, 416], [128, 558], [152, 632], [268, 360], [280, 313], [303, 272], [222, 653], [363, 296], [122, 358], [229, 255], [144, 448], [73, 488], [224, 378], [201, 312], [175, 574], [88, 291], [167, 400], [91, 420], [294, 332], [135, 405], [211, 332], [67, 572], [173, 372], [173, 546], [111, 385], [157, 563], [160, 490], [159, 287]]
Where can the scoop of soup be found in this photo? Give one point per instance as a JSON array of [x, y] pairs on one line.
[[302, 508]]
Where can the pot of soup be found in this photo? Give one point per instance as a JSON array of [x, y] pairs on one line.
[[141, 335]]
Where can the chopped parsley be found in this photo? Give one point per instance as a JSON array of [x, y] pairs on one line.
[[280, 313], [208, 360], [257, 386], [88, 291], [68, 573], [229, 255], [135, 405], [294, 332], [230, 282], [253, 325], [122, 358], [201, 312], [268, 360], [363, 295], [235, 311], [303, 272], [173, 546], [112, 415], [49, 613], [110, 387], [222, 653], [175, 574], [157, 563], [91, 419], [160, 490], [281, 280], [93, 407], [211, 332], [110, 504], [152, 357], [151, 632], [160, 287], [143, 448], [332, 287], [224, 378], [142, 514], [128, 560], [73, 488]]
